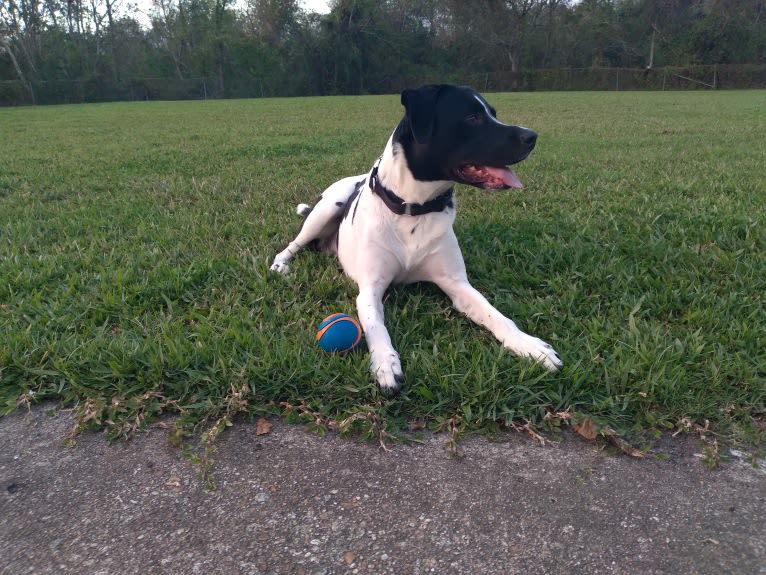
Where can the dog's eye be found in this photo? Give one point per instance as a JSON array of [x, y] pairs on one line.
[[474, 119]]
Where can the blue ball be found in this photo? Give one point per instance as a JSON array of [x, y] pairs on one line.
[[339, 332]]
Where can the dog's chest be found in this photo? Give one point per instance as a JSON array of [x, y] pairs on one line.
[[414, 239], [374, 242], [418, 234]]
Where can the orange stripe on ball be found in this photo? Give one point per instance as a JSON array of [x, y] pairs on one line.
[[322, 331], [341, 318]]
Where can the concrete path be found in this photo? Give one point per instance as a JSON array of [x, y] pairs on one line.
[[295, 503]]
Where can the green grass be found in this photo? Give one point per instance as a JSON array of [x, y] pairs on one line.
[[135, 241]]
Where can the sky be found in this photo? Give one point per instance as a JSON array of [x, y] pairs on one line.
[[145, 8], [316, 6]]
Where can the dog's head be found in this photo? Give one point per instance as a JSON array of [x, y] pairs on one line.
[[451, 133]]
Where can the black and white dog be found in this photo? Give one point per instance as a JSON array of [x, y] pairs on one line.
[[394, 224]]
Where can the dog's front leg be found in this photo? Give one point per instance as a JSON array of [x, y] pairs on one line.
[[470, 302], [384, 361]]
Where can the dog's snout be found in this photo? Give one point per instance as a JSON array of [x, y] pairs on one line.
[[528, 137]]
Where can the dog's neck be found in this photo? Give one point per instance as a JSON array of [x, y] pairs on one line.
[[395, 175]]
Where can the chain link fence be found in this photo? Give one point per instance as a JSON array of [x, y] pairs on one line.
[[14, 92], [80, 91], [667, 78]]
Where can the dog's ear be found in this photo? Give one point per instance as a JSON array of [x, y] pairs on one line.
[[420, 106]]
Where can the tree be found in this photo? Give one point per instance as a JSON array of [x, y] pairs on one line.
[[89, 50], [20, 27]]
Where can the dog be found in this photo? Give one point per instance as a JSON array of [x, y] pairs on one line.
[[394, 223]]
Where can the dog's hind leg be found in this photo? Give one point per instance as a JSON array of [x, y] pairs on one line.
[[322, 221], [306, 235]]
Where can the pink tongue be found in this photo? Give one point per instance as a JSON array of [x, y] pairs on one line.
[[507, 175]]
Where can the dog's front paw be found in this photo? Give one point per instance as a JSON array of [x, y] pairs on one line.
[[387, 370], [539, 351], [548, 357]]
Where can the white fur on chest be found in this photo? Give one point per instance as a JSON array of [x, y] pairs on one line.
[[374, 239]]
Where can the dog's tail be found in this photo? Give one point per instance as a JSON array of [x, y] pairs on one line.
[[303, 210]]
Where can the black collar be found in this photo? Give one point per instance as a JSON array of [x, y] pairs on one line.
[[402, 208]]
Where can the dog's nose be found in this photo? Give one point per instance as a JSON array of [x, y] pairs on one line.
[[528, 137]]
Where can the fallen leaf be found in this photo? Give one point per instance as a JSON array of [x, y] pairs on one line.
[[174, 483], [416, 425], [586, 429], [262, 426], [621, 444], [565, 415], [352, 503], [533, 434], [349, 557]]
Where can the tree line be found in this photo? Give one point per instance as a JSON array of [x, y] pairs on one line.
[[91, 50]]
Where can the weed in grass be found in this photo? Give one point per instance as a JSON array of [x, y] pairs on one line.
[[135, 239]]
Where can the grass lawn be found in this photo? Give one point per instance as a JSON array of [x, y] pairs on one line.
[[135, 240]]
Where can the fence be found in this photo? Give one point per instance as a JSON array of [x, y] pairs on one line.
[[81, 91], [13, 92], [667, 78]]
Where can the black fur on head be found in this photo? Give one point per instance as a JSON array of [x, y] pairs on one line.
[[452, 133]]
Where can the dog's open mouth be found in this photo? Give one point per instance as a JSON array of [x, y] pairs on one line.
[[487, 177]]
